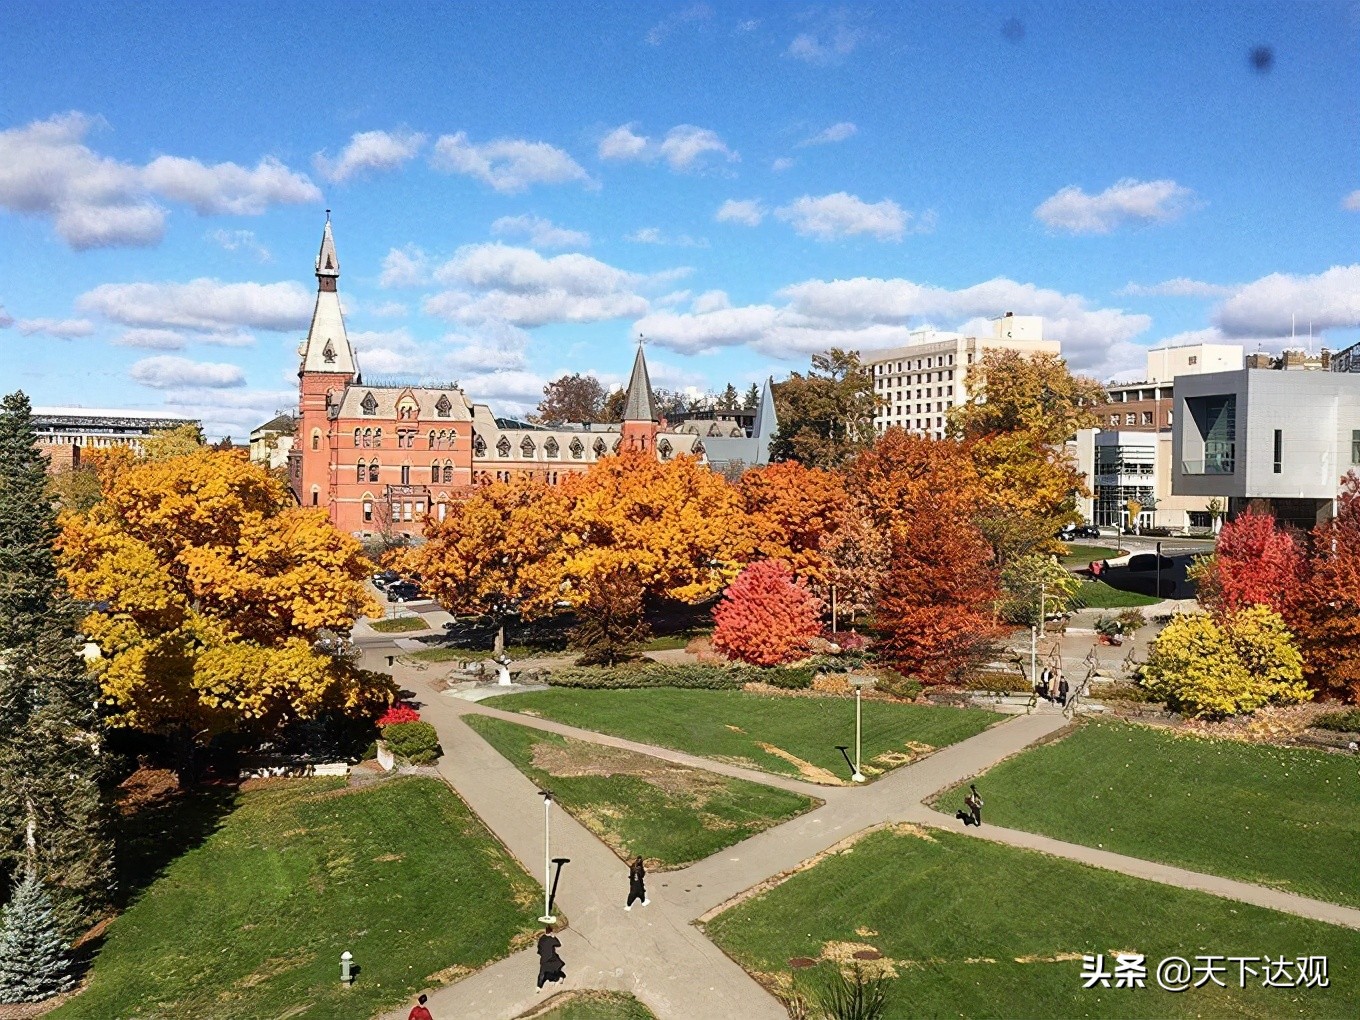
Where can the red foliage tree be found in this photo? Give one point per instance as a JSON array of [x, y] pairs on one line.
[[935, 604], [1257, 562], [765, 616], [1326, 618]]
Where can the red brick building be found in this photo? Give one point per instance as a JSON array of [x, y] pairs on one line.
[[382, 457]]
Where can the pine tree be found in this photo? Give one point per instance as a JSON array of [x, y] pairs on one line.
[[35, 961], [752, 399], [53, 802]]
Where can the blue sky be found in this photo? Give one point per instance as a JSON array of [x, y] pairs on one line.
[[519, 189]]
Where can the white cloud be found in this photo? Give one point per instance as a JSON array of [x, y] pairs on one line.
[[1351, 202], [623, 143], [711, 301], [746, 211], [686, 147], [227, 187], [1265, 307], [47, 170], [168, 372], [872, 313], [1179, 287], [693, 14], [62, 329], [500, 283], [405, 267], [835, 133], [206, 305], [829, 217], [389, 310], [370, 150], [1125, 201], [509, 165], [542, 233], [829, 44], [241, 240], [153, 339], [655, 235], [783, 163], [231, 411]]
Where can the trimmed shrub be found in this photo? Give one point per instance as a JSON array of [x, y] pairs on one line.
[[789, 678], [415, 742], [998, 682], [844, 663], [1342, 722], [890, 681], [655, 675]]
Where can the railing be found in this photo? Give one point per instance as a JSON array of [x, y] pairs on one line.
[[1216, 466]]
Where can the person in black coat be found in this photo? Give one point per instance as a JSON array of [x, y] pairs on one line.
[[976, 806], [637, 888], [550, 965]]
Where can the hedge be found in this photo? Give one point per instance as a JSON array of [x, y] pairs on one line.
[[654, 675], [1342, 722], [416, 742]]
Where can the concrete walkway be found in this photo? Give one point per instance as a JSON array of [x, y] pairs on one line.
[[657, 953]]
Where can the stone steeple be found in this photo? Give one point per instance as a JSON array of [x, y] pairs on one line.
[[327, 347], [640, 405]]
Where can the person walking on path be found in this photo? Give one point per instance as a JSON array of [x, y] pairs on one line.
[[1045, 677], [637, 888], [1062, 690], [976, 806], [550, 965], [419, 1011]]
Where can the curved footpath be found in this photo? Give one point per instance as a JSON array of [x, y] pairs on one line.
[[657, 953]]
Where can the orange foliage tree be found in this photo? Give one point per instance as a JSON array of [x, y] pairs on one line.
[[789, 511], [213, 592], [1326, 618], [1256, 562], [856, 555], [935, 603], [903, 475], [766, 616]]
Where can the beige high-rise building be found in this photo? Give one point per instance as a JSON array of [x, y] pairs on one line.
[[918, 383]]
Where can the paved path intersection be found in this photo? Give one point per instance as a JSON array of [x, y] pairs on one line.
[[657, 953]]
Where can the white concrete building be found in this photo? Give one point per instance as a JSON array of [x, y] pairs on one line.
[[99, 427], [918, 383], [270, 442]]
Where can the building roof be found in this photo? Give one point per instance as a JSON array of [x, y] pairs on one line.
[[86, 413], [640, 405], [279, 423], [327, 261], [327, 347], [385, 399]]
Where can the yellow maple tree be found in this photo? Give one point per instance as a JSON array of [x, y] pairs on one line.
[[213, 591], [789, 509]]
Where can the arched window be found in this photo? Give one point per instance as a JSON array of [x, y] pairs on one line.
[[432, 439], [368, 437], [377, 437], [448, 471], [434, 472], [357, 434], [316, 495], [373, 470], [406, 474], [316, 439], [451, 439], [361, 472], [503, 447]]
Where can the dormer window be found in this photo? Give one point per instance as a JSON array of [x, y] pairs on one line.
[[328, 353], [664, 448], [577, 448], [526, 447], [369, 404], [600, 447], [478, 446], [550, 447], [503, 447], [443, 406]]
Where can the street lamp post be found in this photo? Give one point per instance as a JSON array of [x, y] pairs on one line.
[[547, 917], [859, 683], [1159, 570]]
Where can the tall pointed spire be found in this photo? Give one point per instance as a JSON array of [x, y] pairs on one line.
[[327, 348], [640, 405]]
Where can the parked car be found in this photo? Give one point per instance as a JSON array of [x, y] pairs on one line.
[[404, 591], [1086, 531], [1147, 562], [385, 577]]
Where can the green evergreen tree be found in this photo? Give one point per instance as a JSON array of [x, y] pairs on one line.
[[54, 816], [752, 398], [35, 961]]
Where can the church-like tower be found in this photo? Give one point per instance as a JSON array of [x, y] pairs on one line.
[[326, 368], [640, 422]]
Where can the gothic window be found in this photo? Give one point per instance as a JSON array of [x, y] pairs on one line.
[[503, 447], [368, 437], [550, 447], [369, 404], [316, 439], [698, 450], [434, 472], [316, 496], [600, 447], [406, 474], [377, 437], [443, 407], [478, 446], [576, 449], [373, 470], [361, 472], [329, 353], [664, 448], [357, 433], [526, 447], [432, 446], [448, 471]]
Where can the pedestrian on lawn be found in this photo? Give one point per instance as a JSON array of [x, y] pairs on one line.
[[418, 1011], [637, 888], [550, 965], [976, 805]]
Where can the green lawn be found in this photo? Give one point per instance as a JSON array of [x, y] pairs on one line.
[[786, 735], [1280, 817], [399, 625], [593, 1005], [251, 923], [637, 804], [978, 929], [1099, 595], [1080, 555]]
